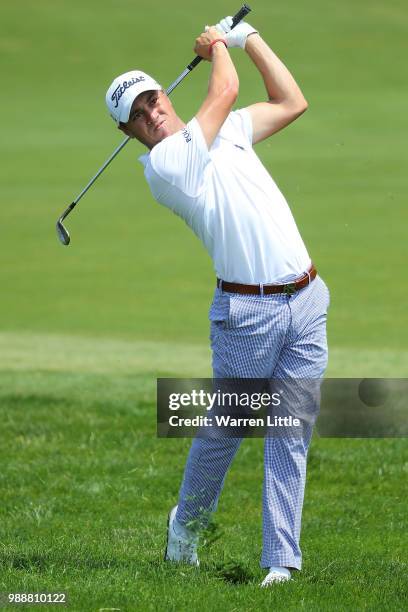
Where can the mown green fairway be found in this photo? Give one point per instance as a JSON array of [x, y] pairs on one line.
[[86, 330], [86, 487]]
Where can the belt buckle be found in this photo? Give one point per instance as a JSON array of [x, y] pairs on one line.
[[289, 289]]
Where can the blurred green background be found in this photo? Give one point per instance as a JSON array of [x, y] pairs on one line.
[[133, 270], [86, 329]]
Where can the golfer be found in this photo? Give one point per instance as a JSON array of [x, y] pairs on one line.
[[268, 315]]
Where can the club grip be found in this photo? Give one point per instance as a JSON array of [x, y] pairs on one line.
[[242, 13]]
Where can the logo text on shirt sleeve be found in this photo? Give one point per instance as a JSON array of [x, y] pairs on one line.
[[187, 135]]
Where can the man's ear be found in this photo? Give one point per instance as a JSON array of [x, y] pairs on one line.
[[122, 127]]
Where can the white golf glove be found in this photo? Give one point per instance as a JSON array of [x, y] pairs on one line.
[[238, 36]]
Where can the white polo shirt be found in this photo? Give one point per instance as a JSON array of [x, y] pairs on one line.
[[229, 200]]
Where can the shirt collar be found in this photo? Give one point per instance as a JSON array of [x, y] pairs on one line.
[[144, 159]]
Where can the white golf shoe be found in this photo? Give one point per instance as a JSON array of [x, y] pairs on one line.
[[181, 542], [276, 575]]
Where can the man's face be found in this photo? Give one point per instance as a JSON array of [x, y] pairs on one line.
[[151, 118]]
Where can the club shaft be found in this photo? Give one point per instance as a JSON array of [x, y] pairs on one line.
[[245, 9], [177, 81], [105, 165]]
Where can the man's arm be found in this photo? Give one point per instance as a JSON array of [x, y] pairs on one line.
[[223, 85], [286, 101]]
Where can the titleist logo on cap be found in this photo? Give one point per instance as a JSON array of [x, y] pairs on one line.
[[120, 90]]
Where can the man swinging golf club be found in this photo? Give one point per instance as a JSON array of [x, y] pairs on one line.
[[268, 316]]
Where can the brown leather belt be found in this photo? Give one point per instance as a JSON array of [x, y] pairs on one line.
[[289, 288]]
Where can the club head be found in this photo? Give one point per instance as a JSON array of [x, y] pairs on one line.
[[62, 233]]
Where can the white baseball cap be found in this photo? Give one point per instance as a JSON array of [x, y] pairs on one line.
[[123, 91]]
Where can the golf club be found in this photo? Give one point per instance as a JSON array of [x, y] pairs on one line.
[[62, 231]]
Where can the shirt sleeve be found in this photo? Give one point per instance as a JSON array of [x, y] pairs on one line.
[[180, 159], [240, 123]]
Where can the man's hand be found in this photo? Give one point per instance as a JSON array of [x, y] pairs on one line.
[[238, 36], [203, 42]]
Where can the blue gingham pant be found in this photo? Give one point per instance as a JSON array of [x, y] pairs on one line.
[[276, 336]]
